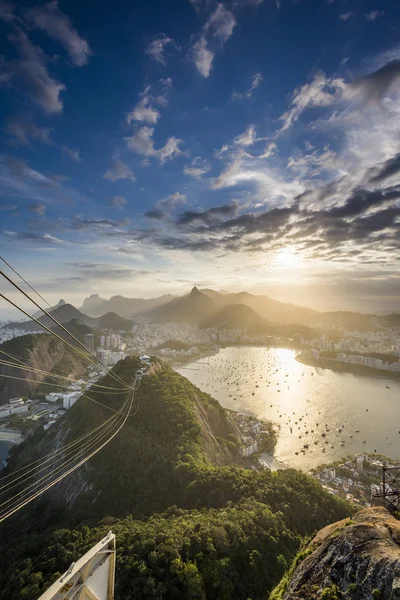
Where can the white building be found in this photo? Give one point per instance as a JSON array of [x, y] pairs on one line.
[[15, 407], [70, 399]]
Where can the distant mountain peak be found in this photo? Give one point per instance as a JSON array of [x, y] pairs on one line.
[[195, 292]]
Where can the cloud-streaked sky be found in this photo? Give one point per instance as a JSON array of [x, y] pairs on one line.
[[250, 144]]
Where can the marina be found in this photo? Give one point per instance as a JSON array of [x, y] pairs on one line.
[[320, 415]]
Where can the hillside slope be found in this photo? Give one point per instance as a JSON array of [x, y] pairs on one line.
[[193, 308], [175, 421], [225, 532], [235, 316], [63, 314], [41, 351], [113, 321]]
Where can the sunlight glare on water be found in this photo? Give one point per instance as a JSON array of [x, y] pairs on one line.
[[335, 414]]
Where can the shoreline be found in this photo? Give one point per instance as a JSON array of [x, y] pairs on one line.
[[338, 367]]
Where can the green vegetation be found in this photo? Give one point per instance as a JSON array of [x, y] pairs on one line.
[[376, 594], [190, 522], [279, 592], [330, 593]]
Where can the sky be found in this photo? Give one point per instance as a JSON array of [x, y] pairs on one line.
[[147, 147]]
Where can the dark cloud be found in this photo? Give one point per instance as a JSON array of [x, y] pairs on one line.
[[155, 213], [163, 208], [207, 216], [389, 168], [373, 87]]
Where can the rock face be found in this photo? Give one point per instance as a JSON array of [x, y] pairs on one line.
[[353, 559], [40, 351]]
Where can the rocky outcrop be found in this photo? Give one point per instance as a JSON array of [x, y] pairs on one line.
[[42, 352], [353, 559]]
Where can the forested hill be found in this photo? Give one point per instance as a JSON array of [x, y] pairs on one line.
[[191, 522]]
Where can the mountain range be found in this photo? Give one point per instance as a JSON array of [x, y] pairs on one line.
[[207, 308]]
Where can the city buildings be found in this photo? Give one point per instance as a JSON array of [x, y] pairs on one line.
[[89, 341]]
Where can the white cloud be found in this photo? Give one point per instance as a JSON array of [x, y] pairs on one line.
[[321, 91], [247, 138], [143, 112], [197, 168], [119, 170], [142, 142], [270, 149], [272, 188], [73, 154], [58, 26], [29, 74], [345, 16], [22, 129], [221, 23], [170, 150], [156, 48], [374, 14], [202, 57], [257, 79]]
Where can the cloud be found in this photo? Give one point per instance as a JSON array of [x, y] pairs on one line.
[[8, 206], [388, 169], [220, 23], [202, 57], [117, 201], [345, 16], [373, 87], [142, 143], [26, 236], [29, 75], [19, 180], [39, 209], [163, 207], [374, 14], [7, 11], [321, 91], [101, 271], [197, 168], [156, 48], [119, 170], [99, 225], [50, 19], [324, 91], [219, 27], [73, 154], [143, 112], [247, 138], [22, 130], [256, 81], [207, 216]]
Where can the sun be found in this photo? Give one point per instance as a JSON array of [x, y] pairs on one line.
[[287, 257]]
